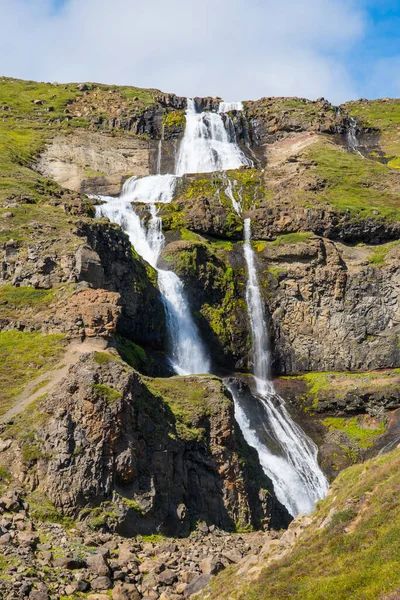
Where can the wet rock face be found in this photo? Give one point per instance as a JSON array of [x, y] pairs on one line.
[[111, 436]]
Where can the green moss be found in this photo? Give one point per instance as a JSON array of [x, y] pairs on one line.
[[292, 238], [25, 297], [174, 119], [34, 223], [188, 400], [363, 437], [5, 475], [131, 353], [132, 504], [326, 385], [107, 393], [31, 452], [379, 253], [23, 357]]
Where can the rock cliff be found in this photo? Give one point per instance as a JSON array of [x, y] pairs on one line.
[[153, 454]]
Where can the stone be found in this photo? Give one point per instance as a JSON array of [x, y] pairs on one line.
[[233, 556], [167, 577], [101, 583], [150, 566], [38, 595], [68, 563], [96, 563], [27, 539], [125, 591], [211, 566], [196, 585], [188, 576]]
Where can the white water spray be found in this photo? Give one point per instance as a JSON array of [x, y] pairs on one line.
[[209, 144], [293, 467], [225, 107]]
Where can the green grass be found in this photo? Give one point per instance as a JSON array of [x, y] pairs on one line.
[[355, 557], [187, 397], [23, 357], [379, 253], [360, 187], [364, 437], [17, 298], [26, 125], [107, 393], [131, 353], [291, 238], [33, 223], [42, 509], [324, 385], [174, 119]]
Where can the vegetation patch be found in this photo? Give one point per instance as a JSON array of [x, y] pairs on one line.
[[291, 238], [354, 556], [188, 399], [23, 357], [17, 298], [363, 436], [175, 119], [361, 187], [380, 253], [131, 353], [107, 393]]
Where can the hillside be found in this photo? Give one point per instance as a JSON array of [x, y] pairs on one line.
[[99, 435]]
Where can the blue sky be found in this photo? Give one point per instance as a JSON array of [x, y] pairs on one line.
[[238, 49]]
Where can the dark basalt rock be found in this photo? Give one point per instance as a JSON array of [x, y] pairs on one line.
[[109, 436]]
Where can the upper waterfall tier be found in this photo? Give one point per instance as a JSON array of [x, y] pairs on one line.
[[225, 107], [209, 144]]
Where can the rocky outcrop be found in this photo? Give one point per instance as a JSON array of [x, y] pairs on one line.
[[164, 457], [328, 311], [328, 308], [95, 256], [94, 163]]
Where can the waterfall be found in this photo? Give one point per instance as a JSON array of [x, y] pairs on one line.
[[187, 354], [209, 144], [159, 155], [292, 465], [225, 107], [352, 141]]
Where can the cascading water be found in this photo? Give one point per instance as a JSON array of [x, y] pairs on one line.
[[187, 352], [209, 144], [225, 107], [352, 141], [292, 466]]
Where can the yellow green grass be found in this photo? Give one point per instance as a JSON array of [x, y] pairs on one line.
[[23, 357], [356, 556]]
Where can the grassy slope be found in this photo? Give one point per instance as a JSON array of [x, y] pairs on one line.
[[30, 114], [355, 557], [360, 187], [23, 357], [384, 116]]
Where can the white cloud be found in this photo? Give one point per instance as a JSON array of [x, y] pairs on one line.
[[232, 48]]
